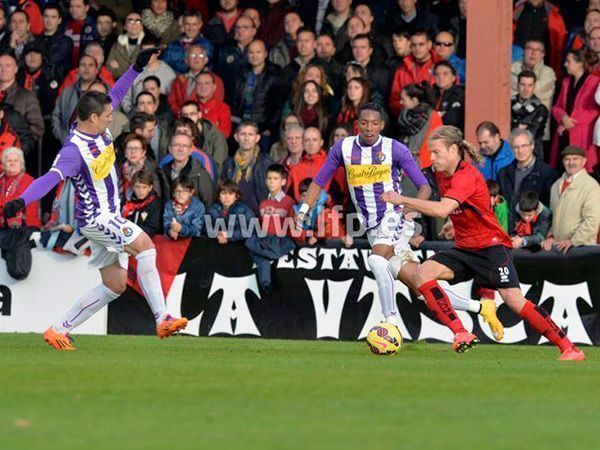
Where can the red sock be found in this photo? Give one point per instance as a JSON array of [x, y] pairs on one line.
[[539, 319], [439, 303]]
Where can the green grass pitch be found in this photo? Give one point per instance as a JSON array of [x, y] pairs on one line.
[[125, 393]]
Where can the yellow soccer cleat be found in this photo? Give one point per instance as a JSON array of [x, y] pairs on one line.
[[60, 341], [170, 325], [488, 312]]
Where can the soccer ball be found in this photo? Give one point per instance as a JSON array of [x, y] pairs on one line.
[[384, 339]]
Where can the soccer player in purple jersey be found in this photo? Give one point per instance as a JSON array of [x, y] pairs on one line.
[[87, 158], [374, 164]]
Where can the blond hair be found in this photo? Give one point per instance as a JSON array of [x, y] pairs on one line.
[[453, 136]]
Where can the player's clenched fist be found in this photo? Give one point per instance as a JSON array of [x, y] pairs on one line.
[[144, 57], [12, 208]]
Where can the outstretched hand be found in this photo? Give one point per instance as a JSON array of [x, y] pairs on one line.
[[392, 197], [144, 58]]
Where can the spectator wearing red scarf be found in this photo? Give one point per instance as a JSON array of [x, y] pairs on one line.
[[144, 208], [15, 232]]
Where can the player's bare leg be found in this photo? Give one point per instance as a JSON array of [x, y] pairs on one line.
[[144, 251], [486, 308], [425, 279], [539, 319]]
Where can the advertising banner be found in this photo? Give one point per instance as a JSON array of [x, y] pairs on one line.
[[329, 293]]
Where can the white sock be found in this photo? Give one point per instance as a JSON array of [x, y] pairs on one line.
[[150, 283], [385, 284], [463, 304], [85, 307]]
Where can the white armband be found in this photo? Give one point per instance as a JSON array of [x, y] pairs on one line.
[[303, 208]]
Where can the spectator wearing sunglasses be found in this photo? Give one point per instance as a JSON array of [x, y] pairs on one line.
[[445, 46]]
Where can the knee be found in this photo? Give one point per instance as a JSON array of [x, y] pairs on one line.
[[117, 286], [395, 265], [513, 298], [421, 276], [146, 243], [377, 262]]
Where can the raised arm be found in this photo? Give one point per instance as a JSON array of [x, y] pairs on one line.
[[121, 87], [123, 84]]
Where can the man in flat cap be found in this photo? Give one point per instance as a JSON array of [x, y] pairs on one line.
[[575, 204]]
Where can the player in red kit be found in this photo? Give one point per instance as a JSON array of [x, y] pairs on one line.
[[483, 250]]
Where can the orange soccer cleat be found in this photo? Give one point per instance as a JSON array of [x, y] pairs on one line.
[[170, 325], [60, 341], [464, 341], [572, 354]]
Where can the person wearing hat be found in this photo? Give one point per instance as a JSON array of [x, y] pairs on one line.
[[575, 204], [39, 77]]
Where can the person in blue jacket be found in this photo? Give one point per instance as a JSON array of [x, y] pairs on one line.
[[184, 213], [230, 218], [497, 152]]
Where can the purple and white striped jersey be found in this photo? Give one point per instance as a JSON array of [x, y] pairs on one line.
[[90, 163], [371, 171]]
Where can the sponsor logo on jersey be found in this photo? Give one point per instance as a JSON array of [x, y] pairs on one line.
[[361, 174], [102, 165], [127, 231]]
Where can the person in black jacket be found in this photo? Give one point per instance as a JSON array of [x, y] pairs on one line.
[[38, 77], [12, 123], [248, 167], [377, 74], [233, 57], [258, 93], [527, 110], [56, 46], [449, 97], [527, 173], [420, 18], [306, 46], [145, 207], [183, 165]]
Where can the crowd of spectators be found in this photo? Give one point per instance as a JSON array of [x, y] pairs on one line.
[[238, 114]]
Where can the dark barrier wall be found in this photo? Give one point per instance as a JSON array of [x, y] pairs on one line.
[[329, 292]]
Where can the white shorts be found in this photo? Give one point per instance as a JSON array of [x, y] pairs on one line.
[[396, 232], [108, 235]]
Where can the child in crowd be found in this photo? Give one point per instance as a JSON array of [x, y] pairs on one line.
[[320, 222], [184, 214], [534, 222], [498, 204], [230, 217], [276, 214], [144, 208]]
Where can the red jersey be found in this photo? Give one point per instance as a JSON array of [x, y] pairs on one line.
[[475, 225], [274, 211]]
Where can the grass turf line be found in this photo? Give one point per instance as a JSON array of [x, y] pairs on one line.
[[135, 392]]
